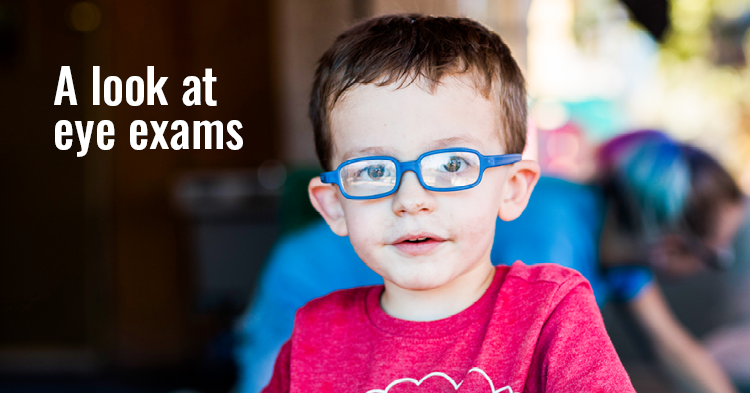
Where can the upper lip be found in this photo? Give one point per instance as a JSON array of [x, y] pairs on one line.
[[416, 236]]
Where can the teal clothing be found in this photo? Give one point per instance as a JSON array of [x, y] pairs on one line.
[[561, 224]]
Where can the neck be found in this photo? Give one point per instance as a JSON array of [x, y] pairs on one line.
[[441, 302]]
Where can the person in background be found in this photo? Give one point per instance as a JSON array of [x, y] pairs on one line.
[[656, 204]]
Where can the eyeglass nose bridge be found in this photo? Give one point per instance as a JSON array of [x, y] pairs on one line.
[[409, 166], [406, 166]]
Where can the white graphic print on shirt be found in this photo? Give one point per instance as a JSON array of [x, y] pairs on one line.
[[505, 389]]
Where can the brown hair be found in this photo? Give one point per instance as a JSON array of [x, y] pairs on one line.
[[654, 180], [711, 185], [406, 48]]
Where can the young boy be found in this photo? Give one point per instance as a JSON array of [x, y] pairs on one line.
[[420, 122]]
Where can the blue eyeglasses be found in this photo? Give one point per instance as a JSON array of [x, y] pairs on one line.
[[438, 170]]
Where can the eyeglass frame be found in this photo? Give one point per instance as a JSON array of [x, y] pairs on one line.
[[334, 177]]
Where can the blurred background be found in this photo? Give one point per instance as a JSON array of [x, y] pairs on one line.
[[124, 270]]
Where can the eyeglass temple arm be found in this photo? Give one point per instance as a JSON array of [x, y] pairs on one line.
[[505, 159], [328, 177]]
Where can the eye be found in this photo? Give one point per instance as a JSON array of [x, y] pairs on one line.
[[454, 164], [373, 172], [376, 171]]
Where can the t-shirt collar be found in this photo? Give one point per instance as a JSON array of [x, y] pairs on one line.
[[478, 312]]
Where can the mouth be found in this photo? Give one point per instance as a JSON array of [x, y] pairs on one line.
[[418, 244]]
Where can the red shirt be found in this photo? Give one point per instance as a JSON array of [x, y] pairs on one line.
[[536, 329]]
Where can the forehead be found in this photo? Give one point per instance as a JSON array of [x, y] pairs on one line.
[[404, 122]]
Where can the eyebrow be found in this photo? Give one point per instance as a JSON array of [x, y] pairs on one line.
[[367, 151], [457, 141]]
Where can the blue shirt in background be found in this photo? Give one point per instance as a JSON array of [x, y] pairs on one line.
[[561, 225]]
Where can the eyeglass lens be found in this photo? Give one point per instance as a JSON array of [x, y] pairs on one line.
[[368, 177], [440, 170], [451, 169]]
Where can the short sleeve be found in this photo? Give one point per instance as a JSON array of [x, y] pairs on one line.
[[574, 352], [280, 379], [627, 282]]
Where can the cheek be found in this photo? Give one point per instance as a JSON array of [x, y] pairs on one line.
[[730, 221], [478, 216], [487, 197], [365, 222]]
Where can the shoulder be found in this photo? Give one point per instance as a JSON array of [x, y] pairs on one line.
[[558, 203], [556, 185], [560, 192], [549, 283], [311, 253], [297, 258], [312, 262], [335, 305], [544, 273]]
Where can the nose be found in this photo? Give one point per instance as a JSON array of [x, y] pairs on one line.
[[411, 198]]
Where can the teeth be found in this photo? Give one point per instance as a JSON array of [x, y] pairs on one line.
[[417, 240]]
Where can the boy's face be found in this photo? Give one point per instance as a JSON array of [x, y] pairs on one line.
[[459, 226]]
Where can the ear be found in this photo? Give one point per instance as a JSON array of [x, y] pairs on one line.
[[522, 177], [325, 200]]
